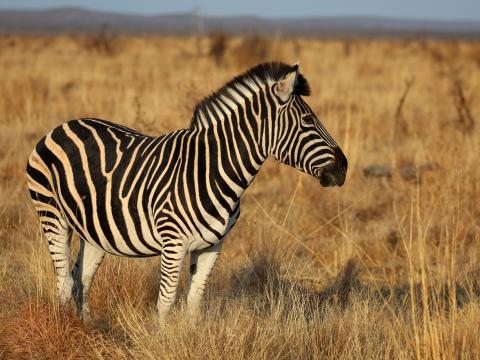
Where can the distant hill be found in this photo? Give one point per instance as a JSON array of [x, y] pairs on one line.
[[74, 20]]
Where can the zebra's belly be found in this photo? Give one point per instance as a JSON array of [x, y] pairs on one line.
[[123, 246], [118, 230]]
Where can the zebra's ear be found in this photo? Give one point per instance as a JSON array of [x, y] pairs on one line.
[[284, 87]]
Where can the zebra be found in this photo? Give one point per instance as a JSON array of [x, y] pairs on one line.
[[129, 194]]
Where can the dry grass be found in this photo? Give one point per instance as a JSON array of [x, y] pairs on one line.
[[381, 268]]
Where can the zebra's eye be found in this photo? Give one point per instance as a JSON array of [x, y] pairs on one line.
[[308, 120]]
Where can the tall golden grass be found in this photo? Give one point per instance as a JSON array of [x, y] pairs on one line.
[[384, 267]]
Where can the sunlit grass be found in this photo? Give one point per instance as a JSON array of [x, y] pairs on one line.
[[381, 268]]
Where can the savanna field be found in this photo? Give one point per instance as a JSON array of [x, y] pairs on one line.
[[387, 266]]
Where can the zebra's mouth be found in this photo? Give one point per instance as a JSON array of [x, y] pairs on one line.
[[329, 177]]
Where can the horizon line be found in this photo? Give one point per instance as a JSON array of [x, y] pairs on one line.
[[245, 15]]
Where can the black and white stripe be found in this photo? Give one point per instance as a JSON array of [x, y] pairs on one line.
[[129, 194]]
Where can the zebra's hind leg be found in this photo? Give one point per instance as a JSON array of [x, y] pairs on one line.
[[88, 260], [59, 235], [173, 253], [201, 264], [59, 246]]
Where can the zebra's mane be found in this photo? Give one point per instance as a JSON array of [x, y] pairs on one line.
[[269, 71]]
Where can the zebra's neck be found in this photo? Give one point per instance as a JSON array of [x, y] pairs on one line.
[[233, 128]]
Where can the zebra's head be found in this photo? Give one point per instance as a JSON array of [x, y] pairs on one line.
[[299, 138]]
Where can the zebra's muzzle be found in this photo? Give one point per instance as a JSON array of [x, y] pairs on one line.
[[335, 172]]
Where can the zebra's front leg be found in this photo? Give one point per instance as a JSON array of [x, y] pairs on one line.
[[173, 253], [201, 264], [88, 260]]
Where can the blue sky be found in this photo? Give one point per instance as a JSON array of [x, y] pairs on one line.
[[411, 9]]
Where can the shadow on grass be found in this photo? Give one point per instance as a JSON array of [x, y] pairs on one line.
[[263, 284]]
